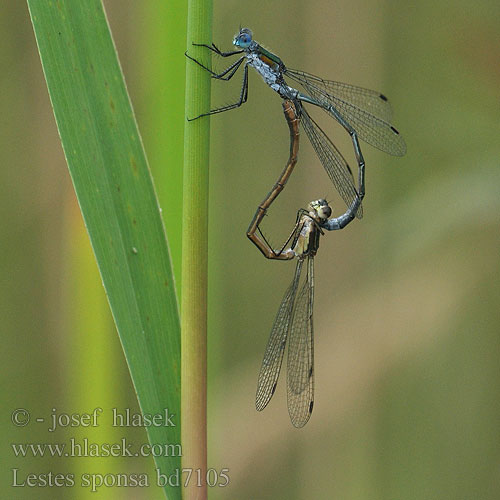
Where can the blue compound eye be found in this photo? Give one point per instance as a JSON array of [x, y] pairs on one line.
[[244, 40]]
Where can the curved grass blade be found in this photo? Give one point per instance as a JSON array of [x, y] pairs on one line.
[[114, 188]]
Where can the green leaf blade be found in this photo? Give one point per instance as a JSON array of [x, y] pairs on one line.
[[115, 192]]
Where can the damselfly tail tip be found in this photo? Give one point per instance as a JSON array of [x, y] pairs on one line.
[[383, 97]]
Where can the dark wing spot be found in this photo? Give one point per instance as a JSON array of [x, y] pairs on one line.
[[273, 389], [382, 96], [394, 130], [311, 404], [310, 372]]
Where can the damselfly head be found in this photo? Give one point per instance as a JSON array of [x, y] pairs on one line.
[[320, 208], [244, 38]]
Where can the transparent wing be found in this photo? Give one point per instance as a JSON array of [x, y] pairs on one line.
[[332, 160], [300, 362], [370, 100], [273, 357], [368, 112]]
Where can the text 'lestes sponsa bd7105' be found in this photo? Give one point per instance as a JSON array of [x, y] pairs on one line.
[[363, 113], [294, 321]]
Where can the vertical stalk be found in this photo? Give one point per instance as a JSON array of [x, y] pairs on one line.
[[194, 255]]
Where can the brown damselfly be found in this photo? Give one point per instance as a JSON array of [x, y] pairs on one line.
[[294, 320]]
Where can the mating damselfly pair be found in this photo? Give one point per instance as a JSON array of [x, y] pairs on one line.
[[364, 114]]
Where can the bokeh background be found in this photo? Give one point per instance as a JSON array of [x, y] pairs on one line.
[[407, 315]]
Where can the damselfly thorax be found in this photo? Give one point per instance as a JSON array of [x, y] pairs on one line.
[[309, 232], [364, 114]]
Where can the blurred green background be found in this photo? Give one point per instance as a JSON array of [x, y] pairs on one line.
[[407, 314]]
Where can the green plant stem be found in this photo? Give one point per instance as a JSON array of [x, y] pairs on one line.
[[194, 252]]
